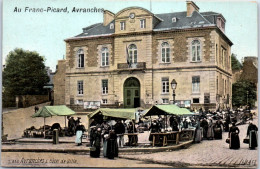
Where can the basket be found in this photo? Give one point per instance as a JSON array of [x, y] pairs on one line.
[[228, 140]]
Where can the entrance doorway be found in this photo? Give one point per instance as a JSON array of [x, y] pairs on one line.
[[131, 93]]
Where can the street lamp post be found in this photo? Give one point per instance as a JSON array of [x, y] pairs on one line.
[[174, 86]]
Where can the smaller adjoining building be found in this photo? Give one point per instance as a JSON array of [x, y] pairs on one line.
[[59, 83]]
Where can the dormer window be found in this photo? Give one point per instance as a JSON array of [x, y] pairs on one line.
[[122, 25], [174, 19], [142, 23], [221, 23], [112, 26]]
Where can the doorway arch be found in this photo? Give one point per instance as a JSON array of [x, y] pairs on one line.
[[131, 93]]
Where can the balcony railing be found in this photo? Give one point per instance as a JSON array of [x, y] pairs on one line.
[[138, 65]]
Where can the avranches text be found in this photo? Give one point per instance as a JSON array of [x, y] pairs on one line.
[[58, 10]]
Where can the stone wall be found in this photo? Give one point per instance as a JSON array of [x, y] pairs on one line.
[[30, 100]]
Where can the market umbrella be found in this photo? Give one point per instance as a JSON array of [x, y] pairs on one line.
[[169, 109], [49, 111], [117, 113]]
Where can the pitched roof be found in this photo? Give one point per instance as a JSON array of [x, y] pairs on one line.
[[97, 29], [212, 16], [196, 20]]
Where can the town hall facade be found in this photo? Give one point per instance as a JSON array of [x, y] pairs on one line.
[[131, 59]]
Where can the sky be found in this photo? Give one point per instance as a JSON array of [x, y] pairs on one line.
[[45, 32]]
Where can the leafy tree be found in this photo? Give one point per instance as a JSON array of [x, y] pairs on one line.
[[236, 65], [24, 74], [243, 93]]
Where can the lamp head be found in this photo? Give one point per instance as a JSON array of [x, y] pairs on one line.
[[173, 84]]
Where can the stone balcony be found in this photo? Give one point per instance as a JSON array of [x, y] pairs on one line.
[[125, 66]]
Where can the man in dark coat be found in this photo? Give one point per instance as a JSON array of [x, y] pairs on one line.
[[175, 125], [71, 126], [252, 134], [185, 124], [120, 130], [131, 129], [227, 122], [154, 128]]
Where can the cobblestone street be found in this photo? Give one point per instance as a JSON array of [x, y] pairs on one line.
[[207, 153]]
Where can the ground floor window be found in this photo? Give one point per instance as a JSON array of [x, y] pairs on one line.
[[165, 100], [196, 100], [206, 98], [80, 87], [104, 86], [165, 85], [80, 102], [195, 84], [104, 101]]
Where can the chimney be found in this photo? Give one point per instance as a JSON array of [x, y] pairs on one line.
[[108, 17], [191, 6]]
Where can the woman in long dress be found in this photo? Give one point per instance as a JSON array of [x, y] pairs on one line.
[[252, 134], [79, 133], [95, 149], [112, 147], [105, 134], [210, 132], [198, 136], [218, 130], [234, 142]]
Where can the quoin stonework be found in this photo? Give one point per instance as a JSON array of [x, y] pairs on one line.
[[131, 58]]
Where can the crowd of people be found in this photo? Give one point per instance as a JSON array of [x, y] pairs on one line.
[[207, 125], [110, 137]]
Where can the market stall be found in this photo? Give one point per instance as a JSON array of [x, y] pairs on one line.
[[49, 111], [108, 114], [164, 137]]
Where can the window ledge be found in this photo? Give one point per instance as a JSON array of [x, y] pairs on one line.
[[80, 95], [165, 93], [105, 94], [165, 63], [198, 93], [195, 61], [104, 66], [80, 67]]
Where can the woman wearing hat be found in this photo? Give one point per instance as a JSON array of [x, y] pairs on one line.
[[234, 142]]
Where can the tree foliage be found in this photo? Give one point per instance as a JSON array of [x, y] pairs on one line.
[[243, 93], [236, 65], [24, 73]]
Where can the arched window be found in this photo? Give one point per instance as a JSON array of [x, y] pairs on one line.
[[80, 56], [132, 49], [165, 52], [196, 51], [104, 56]]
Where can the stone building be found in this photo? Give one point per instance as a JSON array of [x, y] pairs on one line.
[[131, 58]]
